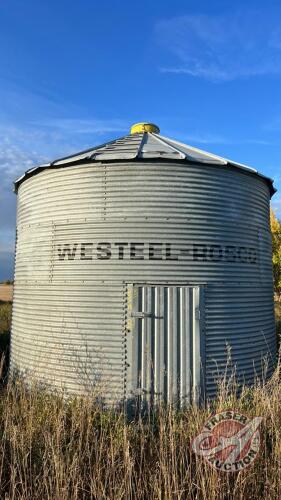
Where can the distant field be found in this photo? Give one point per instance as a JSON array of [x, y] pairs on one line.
[[6, 293]]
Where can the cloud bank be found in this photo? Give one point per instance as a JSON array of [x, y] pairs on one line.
[[225, 47]]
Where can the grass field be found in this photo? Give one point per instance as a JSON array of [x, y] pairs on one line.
[[53, 449]]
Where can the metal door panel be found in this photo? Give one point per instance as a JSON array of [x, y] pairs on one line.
[[164, 343]]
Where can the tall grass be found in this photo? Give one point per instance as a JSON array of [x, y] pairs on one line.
[[52, 448], [5, 317], [56, 449], [278, 322], [5, 326]]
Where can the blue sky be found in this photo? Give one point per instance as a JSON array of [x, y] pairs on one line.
[[75, 74]]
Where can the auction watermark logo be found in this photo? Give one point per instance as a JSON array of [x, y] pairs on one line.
[[229, 441]]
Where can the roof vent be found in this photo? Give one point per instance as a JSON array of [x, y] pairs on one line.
[[138, 128]]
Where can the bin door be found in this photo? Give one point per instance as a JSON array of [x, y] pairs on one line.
[[164, 351]]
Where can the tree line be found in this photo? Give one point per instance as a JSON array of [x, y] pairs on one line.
[[275, 224]]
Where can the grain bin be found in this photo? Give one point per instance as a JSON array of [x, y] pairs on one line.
[[143, 267]]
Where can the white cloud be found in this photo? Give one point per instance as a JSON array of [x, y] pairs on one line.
[[82, 126], [224, 47]]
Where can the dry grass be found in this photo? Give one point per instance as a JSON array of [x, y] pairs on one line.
[[55, 449], [5, 326], [278, 321], [5, 317]]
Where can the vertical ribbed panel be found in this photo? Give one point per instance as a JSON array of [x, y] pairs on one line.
[[165, 338], [186, 323]]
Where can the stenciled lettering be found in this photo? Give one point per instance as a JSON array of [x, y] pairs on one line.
[[121, 247], [242, 254], [230, 253], [67, 250], [86, 251], [252, 255], [136, 251], [156, 251], [227, 253], [104, 251], [200, 252], [168, 252], [215, 253]]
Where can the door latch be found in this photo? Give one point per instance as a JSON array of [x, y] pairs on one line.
[[197, 313], [141, 314]]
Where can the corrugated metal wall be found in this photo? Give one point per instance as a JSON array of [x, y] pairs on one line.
[[85, 232]]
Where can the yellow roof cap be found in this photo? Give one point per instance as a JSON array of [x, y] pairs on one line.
[[138, 128]]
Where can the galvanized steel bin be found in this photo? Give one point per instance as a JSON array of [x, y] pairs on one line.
[[142, 267]]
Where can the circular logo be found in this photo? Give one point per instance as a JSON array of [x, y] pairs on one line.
[[229, 441]]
